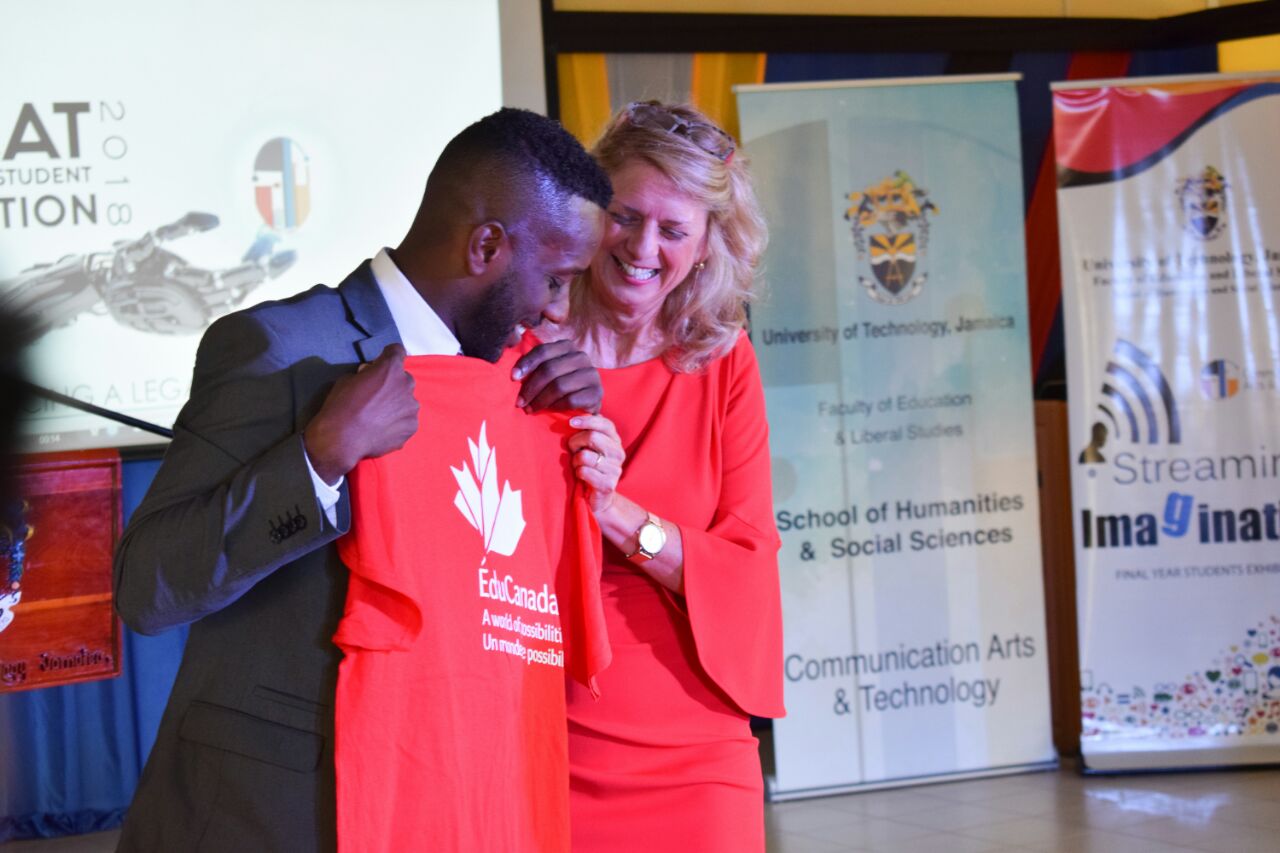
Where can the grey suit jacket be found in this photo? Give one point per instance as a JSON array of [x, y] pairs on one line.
[[231, 539]]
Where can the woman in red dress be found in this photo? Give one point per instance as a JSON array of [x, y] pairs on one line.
[[665, 757]]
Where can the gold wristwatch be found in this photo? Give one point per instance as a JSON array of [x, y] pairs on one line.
[[649, 539]]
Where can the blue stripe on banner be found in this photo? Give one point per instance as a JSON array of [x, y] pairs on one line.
[[286, 170], [1202, 59], [1035, 109], [800, 67]]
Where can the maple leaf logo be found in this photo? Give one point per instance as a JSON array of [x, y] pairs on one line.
[[498, 517]]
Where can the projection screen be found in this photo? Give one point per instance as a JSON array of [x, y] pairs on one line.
[[166, 163]]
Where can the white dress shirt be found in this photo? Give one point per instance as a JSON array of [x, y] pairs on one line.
[[421, 331]]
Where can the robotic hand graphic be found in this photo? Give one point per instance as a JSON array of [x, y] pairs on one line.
[[142, 284]]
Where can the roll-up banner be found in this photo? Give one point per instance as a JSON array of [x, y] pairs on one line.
[[1169, 210], [894, 351], [164, 164]]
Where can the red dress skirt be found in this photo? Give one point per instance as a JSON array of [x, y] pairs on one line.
[[665, 759]]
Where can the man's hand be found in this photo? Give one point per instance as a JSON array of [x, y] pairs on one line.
[[367, 414], [557, 377]]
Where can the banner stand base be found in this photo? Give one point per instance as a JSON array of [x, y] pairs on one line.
[[773, 795], [1176, 760]]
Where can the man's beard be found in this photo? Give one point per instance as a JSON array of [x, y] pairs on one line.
[[490, 322]]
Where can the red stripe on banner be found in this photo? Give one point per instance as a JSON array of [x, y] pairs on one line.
[[262, 198], [1103, 130], [1044, 271]]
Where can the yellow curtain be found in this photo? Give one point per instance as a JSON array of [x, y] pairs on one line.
[[584, 94], [1256, 54], [713, 79]]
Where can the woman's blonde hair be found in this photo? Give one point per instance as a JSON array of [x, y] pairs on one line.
[[701, 318]]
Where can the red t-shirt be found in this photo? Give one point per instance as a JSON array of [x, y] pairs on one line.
[[471, 559]]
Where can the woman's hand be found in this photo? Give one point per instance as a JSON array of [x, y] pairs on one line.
[[597, 458]]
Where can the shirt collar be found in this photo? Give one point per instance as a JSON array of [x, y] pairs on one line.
[[421, 329]]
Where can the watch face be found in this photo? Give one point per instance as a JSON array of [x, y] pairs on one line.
[[651, 538]]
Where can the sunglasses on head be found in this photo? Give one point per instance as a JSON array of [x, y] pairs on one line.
[[708, 137]]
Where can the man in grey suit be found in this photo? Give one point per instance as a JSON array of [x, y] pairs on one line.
[[236, 533]]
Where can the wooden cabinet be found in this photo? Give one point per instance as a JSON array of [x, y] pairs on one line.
[[59, 625], [1058, 545]]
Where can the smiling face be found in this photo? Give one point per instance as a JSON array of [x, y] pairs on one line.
[[654, 234], [535, 284]]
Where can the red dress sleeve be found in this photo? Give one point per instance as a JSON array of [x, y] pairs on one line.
[[732, 593]]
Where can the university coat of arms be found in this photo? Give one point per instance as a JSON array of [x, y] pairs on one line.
[[1202, 202], [890, 224]]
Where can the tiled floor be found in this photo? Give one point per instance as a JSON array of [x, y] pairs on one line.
[[1226, 812]]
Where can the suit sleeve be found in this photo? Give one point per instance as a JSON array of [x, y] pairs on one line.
[[233, 500], [731, 568]]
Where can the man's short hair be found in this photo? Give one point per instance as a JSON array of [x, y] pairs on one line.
[[534, 145]]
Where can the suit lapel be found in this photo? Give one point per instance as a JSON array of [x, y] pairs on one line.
[[368, 312]]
